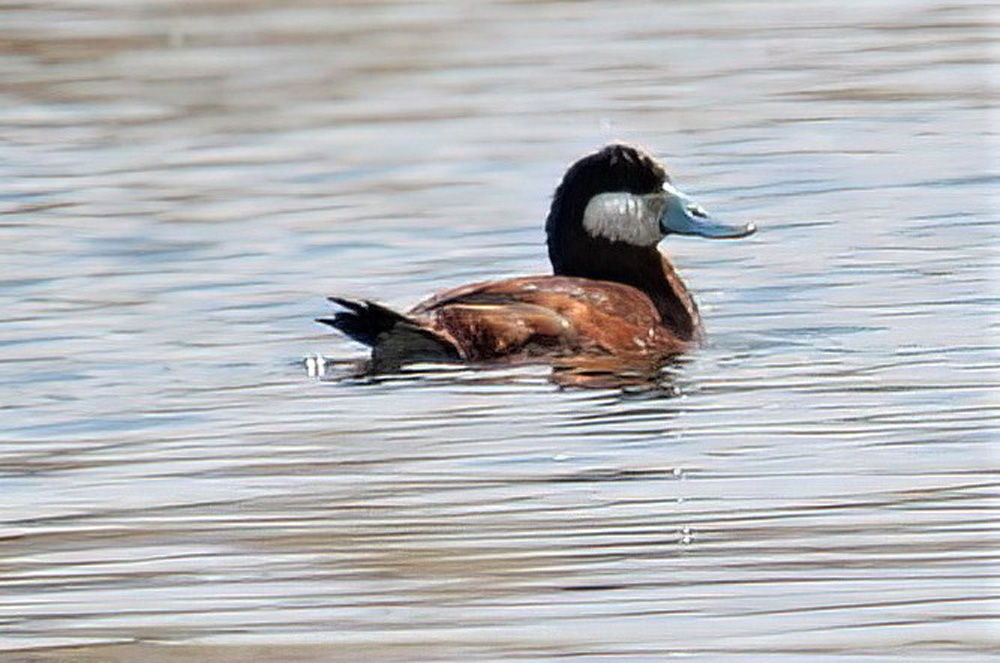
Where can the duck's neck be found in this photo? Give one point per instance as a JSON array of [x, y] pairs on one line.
[[643, 268]]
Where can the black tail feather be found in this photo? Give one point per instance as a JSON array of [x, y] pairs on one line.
[[394, 338], [349, 304], [364, 321]]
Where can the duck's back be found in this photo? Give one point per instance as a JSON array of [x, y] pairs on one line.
[[535, 316]]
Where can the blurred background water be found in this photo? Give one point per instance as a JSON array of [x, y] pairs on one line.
[[181, 183]]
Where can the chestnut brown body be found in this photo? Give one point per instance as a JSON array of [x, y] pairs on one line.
[[554, 316]]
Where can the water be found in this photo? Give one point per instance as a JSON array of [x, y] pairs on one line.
[[183, 183]]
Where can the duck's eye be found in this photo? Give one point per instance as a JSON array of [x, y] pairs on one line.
[[698, 211]]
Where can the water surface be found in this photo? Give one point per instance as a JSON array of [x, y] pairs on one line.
[[183, 183]]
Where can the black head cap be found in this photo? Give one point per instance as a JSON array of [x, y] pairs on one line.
[[613, 168]]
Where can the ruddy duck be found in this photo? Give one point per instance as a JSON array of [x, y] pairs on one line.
[[612, 293]]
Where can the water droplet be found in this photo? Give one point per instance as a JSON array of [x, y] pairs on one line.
[[315, 366]]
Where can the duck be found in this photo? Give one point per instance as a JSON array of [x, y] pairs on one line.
[[612, 295]]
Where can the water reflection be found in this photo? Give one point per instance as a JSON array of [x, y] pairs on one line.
[[629, 375]]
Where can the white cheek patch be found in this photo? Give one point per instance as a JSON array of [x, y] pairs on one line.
[[625, 217]]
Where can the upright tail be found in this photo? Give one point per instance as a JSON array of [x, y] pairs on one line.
[[394, 338]]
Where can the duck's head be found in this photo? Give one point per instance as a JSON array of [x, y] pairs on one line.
[[621, 197]]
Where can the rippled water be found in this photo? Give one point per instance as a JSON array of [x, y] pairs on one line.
[[183, 183]]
